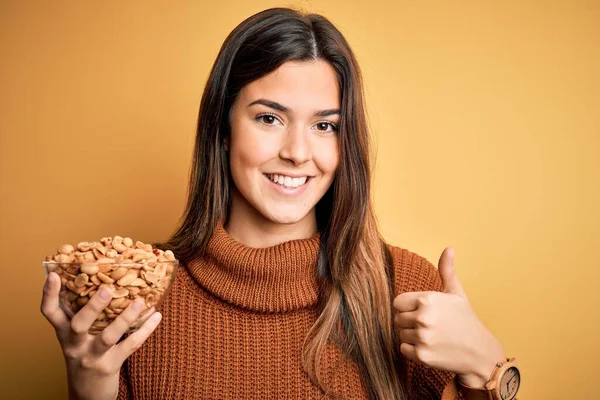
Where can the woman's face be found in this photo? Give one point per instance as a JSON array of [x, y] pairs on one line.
[[283, 149]]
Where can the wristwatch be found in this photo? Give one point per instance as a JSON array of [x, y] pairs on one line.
[[503, 384]]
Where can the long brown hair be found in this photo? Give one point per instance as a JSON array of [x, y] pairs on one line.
[[354, 265]]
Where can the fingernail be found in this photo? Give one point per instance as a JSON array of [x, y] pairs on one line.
[[105, 294], [156, 317]]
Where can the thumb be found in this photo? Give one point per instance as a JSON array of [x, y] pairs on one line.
[[448, 273]]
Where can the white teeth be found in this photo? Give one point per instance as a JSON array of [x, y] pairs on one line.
[[288, 181]]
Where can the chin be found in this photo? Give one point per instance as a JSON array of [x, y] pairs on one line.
[[287, 217]]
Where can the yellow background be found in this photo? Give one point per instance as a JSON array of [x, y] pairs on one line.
[[486, 117]]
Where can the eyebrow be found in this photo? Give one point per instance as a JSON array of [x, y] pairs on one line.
[[279, 107]]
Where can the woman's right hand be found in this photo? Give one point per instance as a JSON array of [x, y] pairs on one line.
[[94, 361]]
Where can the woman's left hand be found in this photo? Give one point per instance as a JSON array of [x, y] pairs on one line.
[[441, 330]]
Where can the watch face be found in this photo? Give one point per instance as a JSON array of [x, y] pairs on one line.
[[509, 384]]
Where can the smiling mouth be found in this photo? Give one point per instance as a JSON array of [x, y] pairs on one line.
[[287, 181]]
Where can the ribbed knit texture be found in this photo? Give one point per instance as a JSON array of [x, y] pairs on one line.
[[235, 321]]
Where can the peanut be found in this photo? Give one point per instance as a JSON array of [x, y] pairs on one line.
[[129, 269], [118, 273], [105, 278], [81, 280], [66, 249], [89, 269]]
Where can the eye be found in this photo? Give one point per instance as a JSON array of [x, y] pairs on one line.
[[266, 118], [325, 124]]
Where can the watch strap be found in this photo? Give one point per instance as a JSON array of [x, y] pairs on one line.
[[471, 393]]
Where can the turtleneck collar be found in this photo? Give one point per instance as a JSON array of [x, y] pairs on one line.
[[279, 278]]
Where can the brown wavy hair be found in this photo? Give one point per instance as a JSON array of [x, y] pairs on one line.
[[354, 265]]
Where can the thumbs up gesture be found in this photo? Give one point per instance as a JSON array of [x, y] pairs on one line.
[[441, 330]]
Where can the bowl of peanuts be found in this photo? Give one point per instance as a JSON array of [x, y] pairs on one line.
[[130, 270]]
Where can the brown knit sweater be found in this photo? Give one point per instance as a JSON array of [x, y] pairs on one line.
[[234, 324]]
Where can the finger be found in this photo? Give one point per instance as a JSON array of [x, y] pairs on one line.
[[410, 301], [448, 273], [409, 351], [134, 341], [50, 306], [113, 332], [406, 320], [409, 336], [83, 320]]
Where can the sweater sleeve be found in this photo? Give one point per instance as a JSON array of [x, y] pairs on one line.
[[124, 392], [413, 273]]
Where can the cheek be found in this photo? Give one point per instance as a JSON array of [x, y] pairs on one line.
[[326, 157], [249, 150]]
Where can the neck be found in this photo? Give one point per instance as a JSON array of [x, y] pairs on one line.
[[248, 226]]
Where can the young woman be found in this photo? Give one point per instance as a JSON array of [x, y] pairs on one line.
[[286, 288]]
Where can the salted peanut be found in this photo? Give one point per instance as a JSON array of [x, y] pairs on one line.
[[138, 282], [121, 292], [133, 290], [133, 271], [92, 293], [105, 268], [147, 268], [66, 249], [69, 276], [128, 242], [112, 253], [129, 253], [151, 277], [82, 301], [163, 282], [118, 273], [126, 302], [126, 280], [101, 316], [100, 247], [144, 291], [160, 270], [81, 280], [89, 269], [105, 278], [150, 300], [105, 260], [170, 256], [97, 254], [63, 280], [71, 286], [116, 302], [84, 246], [120, 247], [101, 324], [95, 280], [107, 241], [87, 291], [117, 240], [65, 258], [139, 257], [90, 283]]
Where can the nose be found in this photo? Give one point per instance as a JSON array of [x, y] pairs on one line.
[[296, 147]]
